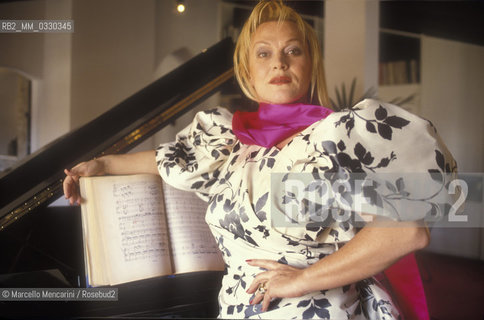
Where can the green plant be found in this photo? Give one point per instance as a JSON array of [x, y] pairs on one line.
[[346, 101]]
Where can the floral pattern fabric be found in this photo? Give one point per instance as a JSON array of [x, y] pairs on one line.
[[241, 185]]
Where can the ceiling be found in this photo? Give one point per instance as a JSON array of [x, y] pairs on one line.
[[461, 20], [455, 20]]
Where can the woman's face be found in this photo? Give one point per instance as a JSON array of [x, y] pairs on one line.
[[279, 63]]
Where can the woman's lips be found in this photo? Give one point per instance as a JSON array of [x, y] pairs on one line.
[[280, 80]]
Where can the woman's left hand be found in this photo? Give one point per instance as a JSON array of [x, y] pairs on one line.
[[281, 281]]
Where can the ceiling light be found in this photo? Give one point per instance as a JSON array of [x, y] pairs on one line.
[[180, 6]]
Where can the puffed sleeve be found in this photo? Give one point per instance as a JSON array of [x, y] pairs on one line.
[[395, 163], [375, 159], [192, 162]]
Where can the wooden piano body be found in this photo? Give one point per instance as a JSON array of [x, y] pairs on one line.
[[41, 246]]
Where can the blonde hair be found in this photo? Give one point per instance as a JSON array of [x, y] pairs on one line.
[[275, 10]]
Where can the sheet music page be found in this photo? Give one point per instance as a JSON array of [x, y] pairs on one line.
[[135, 235], [93, 256], [193, 245]]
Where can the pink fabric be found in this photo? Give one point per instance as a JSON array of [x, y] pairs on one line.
[[407, 286], [273, 123]]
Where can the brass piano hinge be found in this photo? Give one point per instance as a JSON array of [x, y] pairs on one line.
[[32, 203]]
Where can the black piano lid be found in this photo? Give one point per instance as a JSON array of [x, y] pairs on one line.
[[37, 180]]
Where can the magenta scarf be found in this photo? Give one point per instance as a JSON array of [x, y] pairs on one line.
[[273, 123], [408, 289]]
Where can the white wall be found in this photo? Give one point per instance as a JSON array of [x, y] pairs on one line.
[[45, 59], [50, 118], [453, 99], [112, 54], [199, 23], [117, 48], [179, 37], [351, 44], [24, 51], [195, 29]]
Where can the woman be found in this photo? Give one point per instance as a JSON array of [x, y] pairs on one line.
[[301, 270]]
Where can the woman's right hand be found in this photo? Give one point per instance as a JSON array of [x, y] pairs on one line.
[[84, 169], [132, 163]]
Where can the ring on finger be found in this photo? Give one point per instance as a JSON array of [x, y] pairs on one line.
[[262, 288]]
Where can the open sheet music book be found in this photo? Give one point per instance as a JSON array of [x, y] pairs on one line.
[[137, 227]]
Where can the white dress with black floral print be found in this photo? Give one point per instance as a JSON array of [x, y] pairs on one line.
[[242, 184]]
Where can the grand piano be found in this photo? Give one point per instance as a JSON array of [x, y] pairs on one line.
[[41, 245]]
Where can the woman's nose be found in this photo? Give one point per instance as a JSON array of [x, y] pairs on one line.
[[279, 62]]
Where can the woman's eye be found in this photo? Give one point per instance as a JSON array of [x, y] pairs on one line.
[[262, 54], [294, 51]]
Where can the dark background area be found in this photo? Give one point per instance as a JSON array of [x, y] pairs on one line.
[[461, 20]]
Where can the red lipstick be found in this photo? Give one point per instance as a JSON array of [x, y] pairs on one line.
[[280, 80]]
